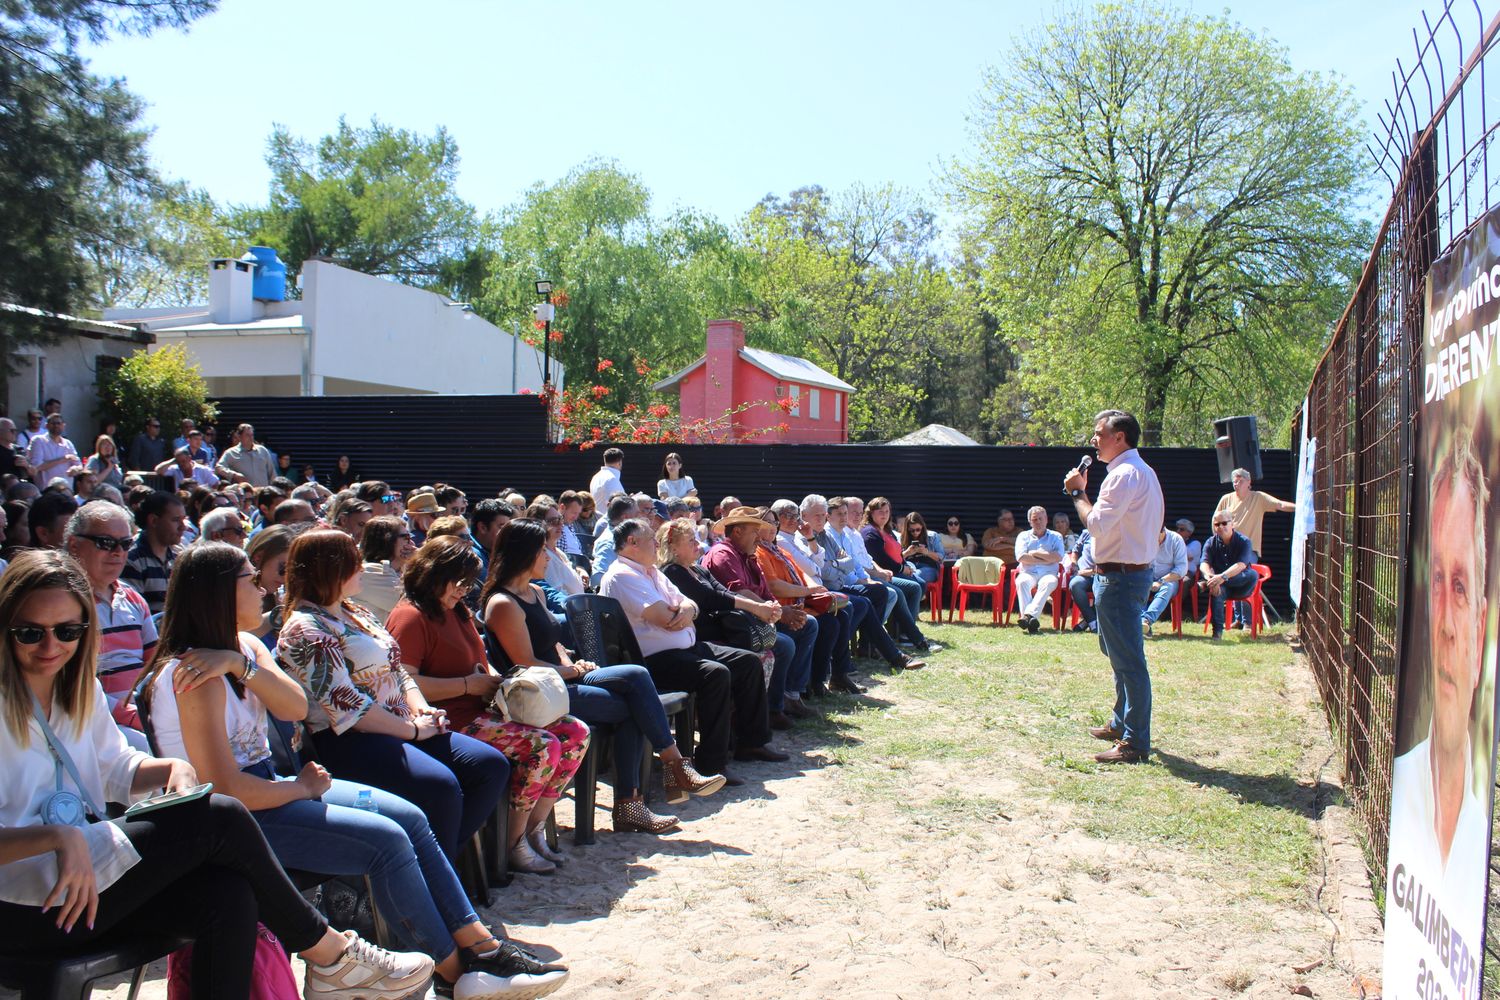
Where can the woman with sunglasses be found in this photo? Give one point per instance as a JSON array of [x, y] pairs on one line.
[[561, 575], [384, 548], [442, 649], [200, 868], [957, 542], [267, 554], [211, 707], [884, 548], [921, 548]]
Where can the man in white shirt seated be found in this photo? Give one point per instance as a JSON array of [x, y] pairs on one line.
[[1039, 555], [181, 467], [729, 683], [1167, 570]]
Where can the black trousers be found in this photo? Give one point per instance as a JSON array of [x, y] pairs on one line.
[[731, 688], [206, 873]]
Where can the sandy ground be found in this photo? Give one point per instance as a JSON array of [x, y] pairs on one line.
[[792, 887]]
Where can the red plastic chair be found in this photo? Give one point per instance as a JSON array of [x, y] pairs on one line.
[[996, 590], [1257, 603], [935, 595], [1177, 606]]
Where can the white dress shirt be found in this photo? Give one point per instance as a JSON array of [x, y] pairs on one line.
[[1127, 517], [605, 484], [637, 587], [106, 764]]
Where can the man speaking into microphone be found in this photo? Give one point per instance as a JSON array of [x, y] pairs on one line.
[[1124, 525]]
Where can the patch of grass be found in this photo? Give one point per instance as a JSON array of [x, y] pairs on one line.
[[1224, 781]]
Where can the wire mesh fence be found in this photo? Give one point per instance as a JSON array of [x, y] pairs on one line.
[[1433, 147]]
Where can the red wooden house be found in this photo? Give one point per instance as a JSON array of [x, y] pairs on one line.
[[779, 388]]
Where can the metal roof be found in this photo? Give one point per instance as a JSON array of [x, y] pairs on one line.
[[783, 366], [270, 324]]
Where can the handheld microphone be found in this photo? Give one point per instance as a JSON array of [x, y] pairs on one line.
[[1084, 463]]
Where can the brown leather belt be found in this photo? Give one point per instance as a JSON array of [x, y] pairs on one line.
[[1122, 567]]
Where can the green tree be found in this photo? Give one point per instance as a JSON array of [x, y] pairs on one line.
[[1162, 212], [64, 132], [379, 200], [155, 248], [632, 291], [853, 281], [165, 384]]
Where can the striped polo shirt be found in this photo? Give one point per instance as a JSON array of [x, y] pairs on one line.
[[148, 574], [127, 638]]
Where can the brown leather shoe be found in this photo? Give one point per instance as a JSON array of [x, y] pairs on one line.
[[681, 778], [796, 709], [1120, 753], [632, 816], [764, 753], [1108, 733], [780, 721]]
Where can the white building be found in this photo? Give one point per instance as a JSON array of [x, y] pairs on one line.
[[349, 334], [67, 367]]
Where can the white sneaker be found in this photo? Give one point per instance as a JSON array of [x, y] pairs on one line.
[[365, 972], [509, 974]]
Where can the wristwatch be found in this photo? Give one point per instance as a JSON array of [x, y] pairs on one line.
[[1076, 494], [251, 668]]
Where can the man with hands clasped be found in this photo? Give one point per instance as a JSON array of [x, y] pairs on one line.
[[1228, 568]]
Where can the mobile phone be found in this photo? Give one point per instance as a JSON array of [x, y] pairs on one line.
[[168, 799]]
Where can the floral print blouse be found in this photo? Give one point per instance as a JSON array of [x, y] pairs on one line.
[[344, 668]]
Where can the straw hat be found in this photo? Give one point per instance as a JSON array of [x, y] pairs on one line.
[[740, 515]]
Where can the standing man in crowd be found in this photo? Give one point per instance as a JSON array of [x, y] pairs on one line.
[[149, 449], [1039, 554], [247, 462], [34, 428], [1248, 509], [51, 454], [606, 482], [1124, 526], [12, 458]]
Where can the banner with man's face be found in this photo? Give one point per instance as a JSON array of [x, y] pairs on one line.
[[1438, 866]]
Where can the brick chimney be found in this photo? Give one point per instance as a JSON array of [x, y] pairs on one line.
[[726, 339]]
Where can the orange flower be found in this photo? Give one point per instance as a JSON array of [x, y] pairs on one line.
[[606, 365]]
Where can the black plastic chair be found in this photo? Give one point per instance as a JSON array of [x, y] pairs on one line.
[[52, 978], [604, 636]]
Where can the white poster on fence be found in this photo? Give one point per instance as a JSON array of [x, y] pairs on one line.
[[1442, 780], [1302, 518]]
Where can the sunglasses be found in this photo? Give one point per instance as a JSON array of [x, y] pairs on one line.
[[389, 498], [1222, 524], [952, 522], [108, 543], [30, 635]]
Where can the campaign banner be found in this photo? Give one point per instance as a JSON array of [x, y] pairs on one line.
[[1437, 872]]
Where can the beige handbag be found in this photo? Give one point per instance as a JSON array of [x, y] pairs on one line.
[[534, 696]]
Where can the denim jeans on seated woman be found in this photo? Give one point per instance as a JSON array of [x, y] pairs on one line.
[[412, 885], [455, 780], [624, 697], [926, 572]]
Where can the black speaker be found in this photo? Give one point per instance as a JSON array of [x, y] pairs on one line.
[[1237, 444]]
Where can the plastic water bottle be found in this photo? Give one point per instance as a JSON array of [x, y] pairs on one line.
[[364, 800]]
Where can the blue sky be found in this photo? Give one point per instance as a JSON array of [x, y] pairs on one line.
[[712, 105]]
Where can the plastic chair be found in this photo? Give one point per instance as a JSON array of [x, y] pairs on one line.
[[51, 978], [1256, 601], [604, 636], [935, 596], [979, 575]]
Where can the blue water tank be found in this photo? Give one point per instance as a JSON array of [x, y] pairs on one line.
[[269, 284]]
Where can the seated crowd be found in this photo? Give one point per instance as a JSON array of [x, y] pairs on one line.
[[160, 639]]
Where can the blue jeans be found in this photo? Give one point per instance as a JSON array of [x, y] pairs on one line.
[[794, 663], [1235, 588], [878, 597], [1119, 599], [835, 631], [1242, 609], [412, 884], [1160, 601], [911, 590], [1081, 587], [927, 572], [623, 697], [455, 780]]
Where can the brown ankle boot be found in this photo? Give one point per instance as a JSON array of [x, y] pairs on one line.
[[633, 816], [682, 778]]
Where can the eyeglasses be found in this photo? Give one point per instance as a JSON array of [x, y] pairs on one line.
[[554, 519], [108, 543], [1223, 524], [30, 635], [389, 498], [153, 424], [953, 522]]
